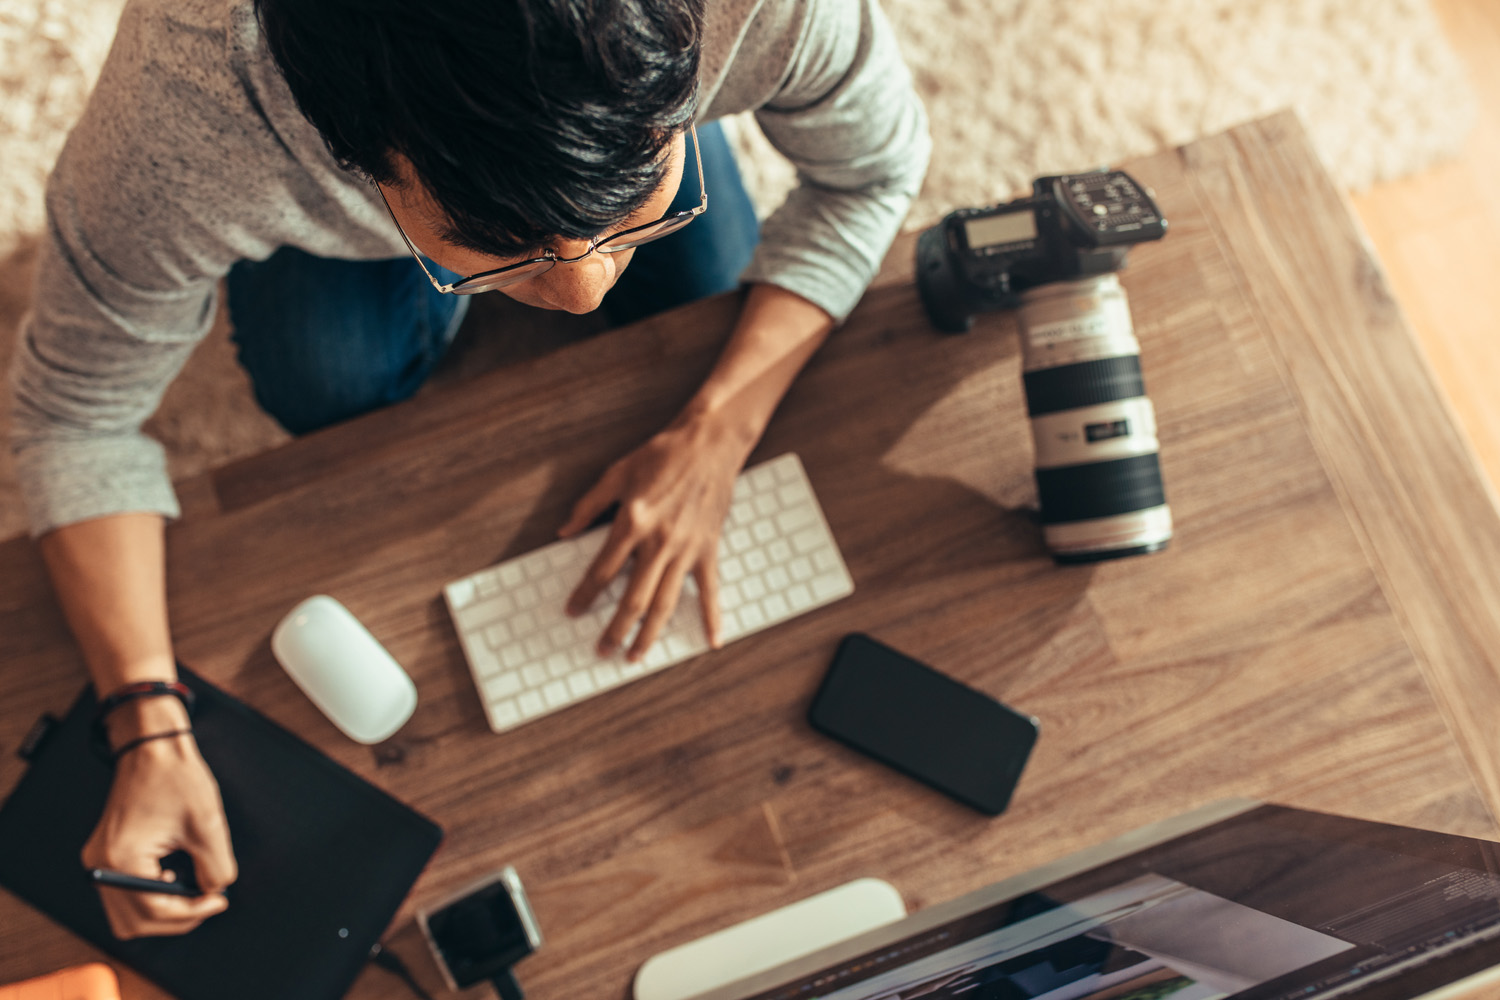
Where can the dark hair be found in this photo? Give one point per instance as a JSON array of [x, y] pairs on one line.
[[525, 120]]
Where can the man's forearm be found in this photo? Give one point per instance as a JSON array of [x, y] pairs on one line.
[[777, 333], [110, 576]]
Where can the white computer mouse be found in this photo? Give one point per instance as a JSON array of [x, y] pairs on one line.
[[348, 674]]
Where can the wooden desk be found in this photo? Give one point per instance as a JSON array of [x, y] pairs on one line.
[[1333, 543]]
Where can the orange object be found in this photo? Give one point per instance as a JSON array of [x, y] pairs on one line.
[[94, 981]]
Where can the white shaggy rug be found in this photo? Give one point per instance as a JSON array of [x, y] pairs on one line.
[[1015, 88]]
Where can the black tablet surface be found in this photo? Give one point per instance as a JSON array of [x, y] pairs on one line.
[[325, 857]]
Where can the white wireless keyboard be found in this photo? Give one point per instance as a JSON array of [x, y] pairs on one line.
[[777, 560]]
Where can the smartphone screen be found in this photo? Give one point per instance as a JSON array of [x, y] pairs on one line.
[[905, 714]]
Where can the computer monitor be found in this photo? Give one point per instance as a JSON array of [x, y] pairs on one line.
[[1243, 900]]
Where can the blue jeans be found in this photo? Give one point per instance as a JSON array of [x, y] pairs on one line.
[[324, 340]]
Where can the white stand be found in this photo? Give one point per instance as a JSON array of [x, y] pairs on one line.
[[769, 940]]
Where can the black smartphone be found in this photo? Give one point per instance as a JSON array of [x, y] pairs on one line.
[[923, 723]]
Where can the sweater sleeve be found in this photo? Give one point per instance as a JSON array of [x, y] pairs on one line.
[[849, 119], [92, 362]]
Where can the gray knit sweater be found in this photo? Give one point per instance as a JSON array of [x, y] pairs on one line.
[[192, 156]]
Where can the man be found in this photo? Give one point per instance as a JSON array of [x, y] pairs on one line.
[[311, 152]]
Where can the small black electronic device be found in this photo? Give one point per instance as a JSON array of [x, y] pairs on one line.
[[480, 933], [1073, 226], [925, 724]]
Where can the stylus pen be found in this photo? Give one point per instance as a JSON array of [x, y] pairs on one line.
[[136, 883]]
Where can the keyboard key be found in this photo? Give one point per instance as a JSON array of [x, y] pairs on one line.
[[779, 551], [789, 521], [606, 675], [482, 613], [751, 616], [504, 714], [526, 596], [729, 597], [559, 664], [776, 607], [798, 596], [581, 684], [534, 674], [535, 565], [763, 533], [739, 540], [778, 579], [755, 561], [523, 624], [462, 593], [807, 540], [793, 494], [487, 586], [827, 586], [826, 559], [753, 589], [497, 635], [731, 569], [512, 655], [531, 704], [511, 576], [787, 468], [536, 647], [481, 659], [555, 694], [741, 513], [503, 686], [802, 568], [765, 505], [762, 479]]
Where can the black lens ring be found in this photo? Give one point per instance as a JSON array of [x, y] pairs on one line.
[[1100, 489], [1083, 383]]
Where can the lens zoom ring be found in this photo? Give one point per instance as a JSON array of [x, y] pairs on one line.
[[1100, 489], [1086, 383]]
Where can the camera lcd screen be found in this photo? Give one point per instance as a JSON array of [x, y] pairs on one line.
[[992, 230]]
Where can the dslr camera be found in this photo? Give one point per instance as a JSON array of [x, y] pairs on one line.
[[1054, 257]]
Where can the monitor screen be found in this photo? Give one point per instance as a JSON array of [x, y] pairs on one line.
[[1268, 905]]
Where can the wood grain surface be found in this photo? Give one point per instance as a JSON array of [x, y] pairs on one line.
[[1332, 545]]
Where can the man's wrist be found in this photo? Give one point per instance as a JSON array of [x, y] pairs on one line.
[[144, 716]]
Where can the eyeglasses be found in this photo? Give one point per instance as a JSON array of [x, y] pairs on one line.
[[512, 274]]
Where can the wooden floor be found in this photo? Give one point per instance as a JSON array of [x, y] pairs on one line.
[[1438, 234]]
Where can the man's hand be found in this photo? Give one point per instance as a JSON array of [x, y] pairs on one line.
[[164, 799], [674, 490], [674, 493]]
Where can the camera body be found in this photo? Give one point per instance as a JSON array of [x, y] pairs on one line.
[[1072, 226], [1053, 257]]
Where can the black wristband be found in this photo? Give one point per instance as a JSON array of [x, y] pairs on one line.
[[99, 735], [132, 744]]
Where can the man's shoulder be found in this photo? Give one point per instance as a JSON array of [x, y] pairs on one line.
[[753, 49]]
